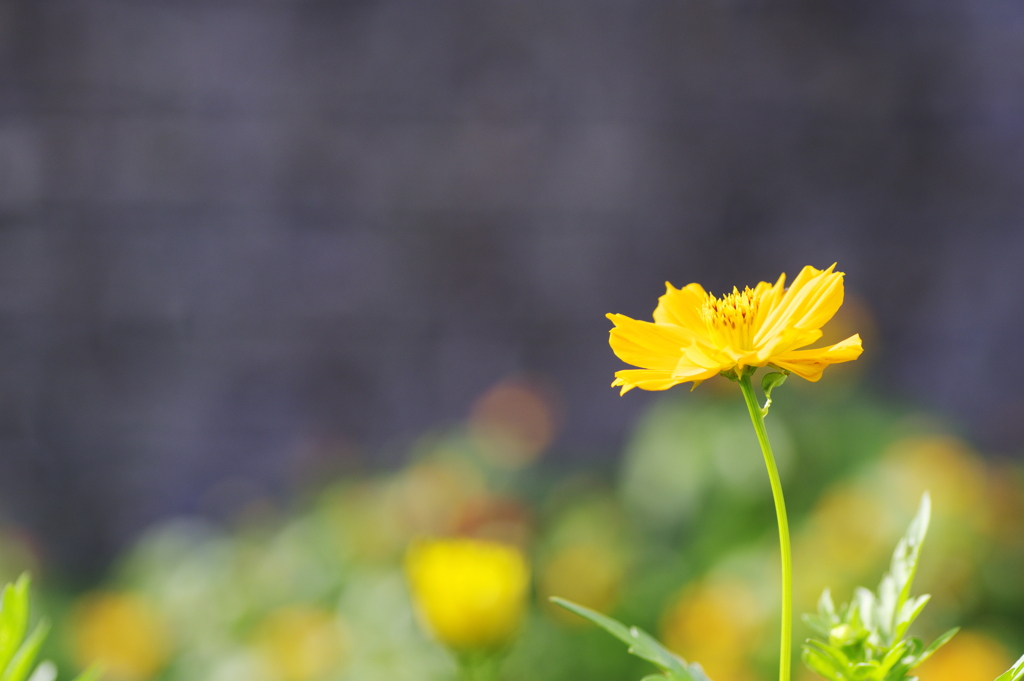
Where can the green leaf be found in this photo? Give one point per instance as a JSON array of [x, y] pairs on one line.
[[13, 618], [838, 657], [826, 619], [888, 597], [669, 676], [18, 654], [908, 613], [768, 383], [93, 673], [1014, 673], [935, 645], [894, 655], [640, 643], [827, 609], [908, 551], [863, 608], [647, 647], [25, 660], [820, 626], [45, 671], [697, 672], [894, 590], [822, 664], [868, 642], [900, 670], [612, 626]]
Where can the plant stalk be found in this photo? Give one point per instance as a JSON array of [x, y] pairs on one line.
[[786, 646], [478, 666]]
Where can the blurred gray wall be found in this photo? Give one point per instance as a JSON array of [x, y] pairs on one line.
[[234, 232]]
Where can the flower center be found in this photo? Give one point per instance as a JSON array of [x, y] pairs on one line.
[[730, 319]]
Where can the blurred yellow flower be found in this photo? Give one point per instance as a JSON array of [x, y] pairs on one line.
[[696, 335], [588, 573], [954, 474], [300, 643], [717, 623], [963, 523], [469, 593], [844, 539], [122, 633], [970, 656]]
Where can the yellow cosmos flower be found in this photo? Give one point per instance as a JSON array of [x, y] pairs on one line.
[[469, 593], [696, 335], [122, 633]]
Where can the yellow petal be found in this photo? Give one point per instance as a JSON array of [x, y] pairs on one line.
[[822, 303], [810, 363], [787, 341], [647, 379], [769, 296], [648, 345], [699, 358], [681, 307], [812, 299]]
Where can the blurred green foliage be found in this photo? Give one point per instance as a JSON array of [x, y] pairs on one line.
[[19, 649], [642, 645], [866, 640], [680, 541]]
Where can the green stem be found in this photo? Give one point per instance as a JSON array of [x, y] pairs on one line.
[[478, 667], [786, 647]]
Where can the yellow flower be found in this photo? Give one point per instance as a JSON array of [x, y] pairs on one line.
[[696, 335], [469, 593], [717, 623], [301, 643], [970, 656], [588, 573], [120, 632]]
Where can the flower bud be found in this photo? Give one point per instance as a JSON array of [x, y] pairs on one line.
[[842, 635]]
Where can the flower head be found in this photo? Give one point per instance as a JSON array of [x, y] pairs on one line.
[[469, 593], [122, 633], [696, 335]]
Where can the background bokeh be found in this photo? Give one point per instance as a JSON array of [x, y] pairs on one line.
[[680, 540], [249, 245]]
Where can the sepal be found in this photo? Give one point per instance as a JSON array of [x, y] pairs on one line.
[[769, 382]]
